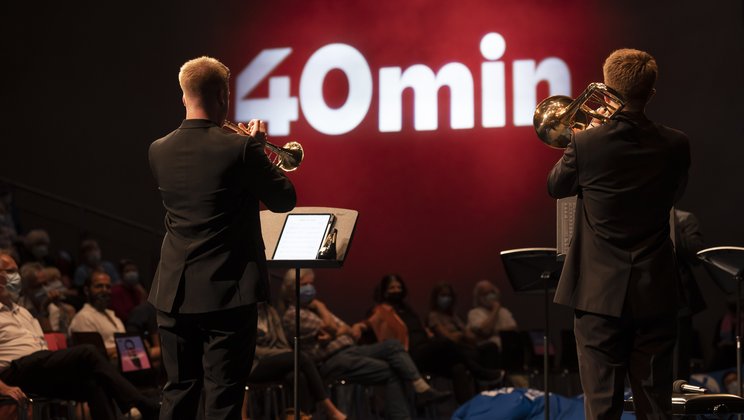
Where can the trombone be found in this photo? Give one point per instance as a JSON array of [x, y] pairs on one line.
[[286, 158], [557, 117]]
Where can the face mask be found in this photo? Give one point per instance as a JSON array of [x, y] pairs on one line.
[[307, 294], [55, 285], [131, 278], [444, 302], [94, 257], [394, 297], [101, 301], [491, 297], [40, 251], [13, 285]]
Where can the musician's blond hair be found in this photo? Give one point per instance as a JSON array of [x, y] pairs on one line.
[[632, 73], [204, 77]]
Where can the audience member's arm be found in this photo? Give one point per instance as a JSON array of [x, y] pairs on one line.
[[483, 326], [508, 323], [440, 330], [329, 323], [12, 391]]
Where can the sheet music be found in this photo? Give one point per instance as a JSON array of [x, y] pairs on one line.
[[302, 236]]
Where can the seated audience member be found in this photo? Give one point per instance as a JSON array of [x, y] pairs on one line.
[[331, 341], [42, 300], [392, 317], [77, 373], [129, 293], [60, 312], [724, 339], [95, 315], [443, 322], [274, 361], [489, 317], [36, 248], [90, 260]]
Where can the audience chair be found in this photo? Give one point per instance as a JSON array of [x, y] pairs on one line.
[[274, 399]]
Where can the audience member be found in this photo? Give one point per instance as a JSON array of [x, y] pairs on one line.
[[78, 373], [274, 361], [443, 322], [392, 317], [61, 311], [42, 301], [333, 342], [129, 293], [488, 317], [95, 315], [90, 260], [55, 280], [724, 340], [36, 248]]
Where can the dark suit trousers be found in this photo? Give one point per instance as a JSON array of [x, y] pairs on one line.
[[79, 373], [211, 351], [610, 349]]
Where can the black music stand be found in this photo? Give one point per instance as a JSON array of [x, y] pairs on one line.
[[534, 270], [271, 229], [725, 265]]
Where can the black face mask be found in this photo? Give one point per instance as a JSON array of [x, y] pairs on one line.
[[394, 297]]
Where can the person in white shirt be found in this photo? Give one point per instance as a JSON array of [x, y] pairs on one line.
[[95, 315], [78, 373], [488, 317]]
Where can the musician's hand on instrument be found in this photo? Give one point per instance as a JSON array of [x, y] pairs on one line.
[[261, 133], [244, 129], [251, 129]]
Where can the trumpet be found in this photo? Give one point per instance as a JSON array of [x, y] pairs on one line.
[[286, 158], [557, 117]]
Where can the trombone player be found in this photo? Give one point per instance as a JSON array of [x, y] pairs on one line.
[[619, 274], [212, 268]]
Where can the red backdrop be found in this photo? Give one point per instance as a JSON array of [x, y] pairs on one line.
[[433, 205]]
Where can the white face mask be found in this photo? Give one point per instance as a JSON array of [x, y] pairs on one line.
[[13, 285]]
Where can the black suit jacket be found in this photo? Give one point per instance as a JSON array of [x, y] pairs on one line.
[[211, 183], [627, 174]]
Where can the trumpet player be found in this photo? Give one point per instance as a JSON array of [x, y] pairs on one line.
[[212, 268], [619, 273]]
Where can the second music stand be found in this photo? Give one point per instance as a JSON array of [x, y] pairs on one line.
[[725, 265], [532, 270]]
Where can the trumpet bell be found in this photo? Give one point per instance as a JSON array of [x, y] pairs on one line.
[[289, 156]]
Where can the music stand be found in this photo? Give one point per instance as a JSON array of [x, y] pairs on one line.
[[532, 270], [725, 265], [271, 229]]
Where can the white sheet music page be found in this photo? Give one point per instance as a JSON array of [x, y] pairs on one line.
[[302, 236]]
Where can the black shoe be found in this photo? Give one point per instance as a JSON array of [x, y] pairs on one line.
[[431, 396]]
